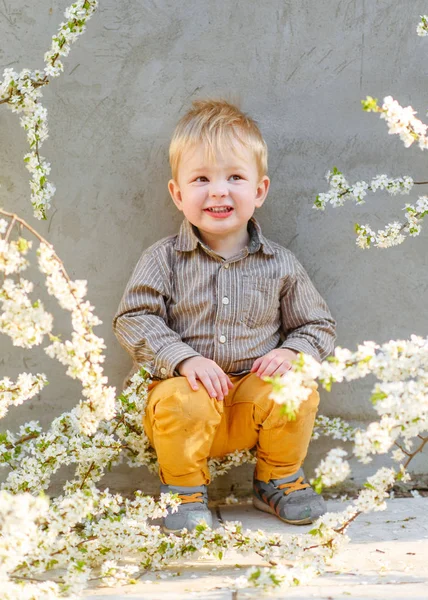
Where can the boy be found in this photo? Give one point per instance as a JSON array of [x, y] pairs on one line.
[[210, 312]]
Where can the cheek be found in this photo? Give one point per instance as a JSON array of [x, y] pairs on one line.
[[195, 198], [191, 204]]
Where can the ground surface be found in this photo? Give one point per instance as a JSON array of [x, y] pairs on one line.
[[387, 558]]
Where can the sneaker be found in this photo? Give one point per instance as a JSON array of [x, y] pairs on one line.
[[193, 508], [291, 499]]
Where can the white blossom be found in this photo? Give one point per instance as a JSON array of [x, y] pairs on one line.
[[295, 386], [25, 322], [334, 427], [331, 470], [402, 122], [15, 393], [422, 28], [12, 255]]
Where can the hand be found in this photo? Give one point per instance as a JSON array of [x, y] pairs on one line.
[[214, 379], [275, 362]]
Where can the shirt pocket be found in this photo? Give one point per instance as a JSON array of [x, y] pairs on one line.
[[260, 301]]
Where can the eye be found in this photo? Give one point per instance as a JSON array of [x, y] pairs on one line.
[[236, 176], [200, 177]]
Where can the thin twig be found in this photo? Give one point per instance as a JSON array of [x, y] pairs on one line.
[[87, 474], [419, 449], [9, 229], [26, 438], [402, 449], [15, 217], [24, 578]]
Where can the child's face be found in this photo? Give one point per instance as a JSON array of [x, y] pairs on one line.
[[231, 184]]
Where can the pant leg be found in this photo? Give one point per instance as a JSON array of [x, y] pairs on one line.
[[252, 418], [180, 424]]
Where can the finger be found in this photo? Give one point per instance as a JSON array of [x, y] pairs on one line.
[[222, 377], [229, 384], [256, 364], [272, 366], [206, 380], [265, 362], [191, 378], [282, 369], [215, 381]]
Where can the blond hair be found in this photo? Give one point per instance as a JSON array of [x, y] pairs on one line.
[[218, 124]]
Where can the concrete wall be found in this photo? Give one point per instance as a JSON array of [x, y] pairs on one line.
[[299, 68]]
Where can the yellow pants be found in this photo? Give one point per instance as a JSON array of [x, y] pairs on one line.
[[186, 427]]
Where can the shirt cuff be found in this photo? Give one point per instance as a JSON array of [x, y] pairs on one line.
[[169, 357], [301, 345]]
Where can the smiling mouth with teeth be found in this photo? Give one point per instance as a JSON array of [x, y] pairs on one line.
[[222, 209]]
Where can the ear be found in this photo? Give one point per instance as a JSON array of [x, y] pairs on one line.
[[262, 191], [174, 190]]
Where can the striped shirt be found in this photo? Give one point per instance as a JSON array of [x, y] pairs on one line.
[[185, 300]]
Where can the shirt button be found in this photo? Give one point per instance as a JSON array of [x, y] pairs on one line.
[[222, 339], [226, 266], [163, 370], [225, 300]]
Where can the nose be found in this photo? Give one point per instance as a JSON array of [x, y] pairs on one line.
[[218, 189]]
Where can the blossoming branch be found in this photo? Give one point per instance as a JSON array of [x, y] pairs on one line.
[[22, 92], [27, 322]]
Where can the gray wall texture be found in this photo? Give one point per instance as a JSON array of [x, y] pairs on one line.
[[300, 69]]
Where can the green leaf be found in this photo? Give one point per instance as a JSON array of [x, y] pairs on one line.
[[287, 412], [370, 104], [327, 384], [378, 396], [317, 485], [254, 575], [22, 244]]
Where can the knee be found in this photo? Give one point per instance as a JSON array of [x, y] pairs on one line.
[[258, 392], [262, 395], [266, 408], [313, 400]]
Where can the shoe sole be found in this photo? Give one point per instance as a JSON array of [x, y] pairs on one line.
[[260, 505], [174, 531]]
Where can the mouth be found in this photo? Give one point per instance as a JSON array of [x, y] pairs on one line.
[[219, 209]]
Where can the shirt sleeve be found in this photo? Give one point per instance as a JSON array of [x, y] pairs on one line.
[[141, 321], [307, 324]]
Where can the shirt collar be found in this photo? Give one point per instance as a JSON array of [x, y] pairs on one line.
[[187, 239]]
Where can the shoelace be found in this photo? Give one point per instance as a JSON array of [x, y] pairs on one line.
[[293, 486], [196, 497]]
